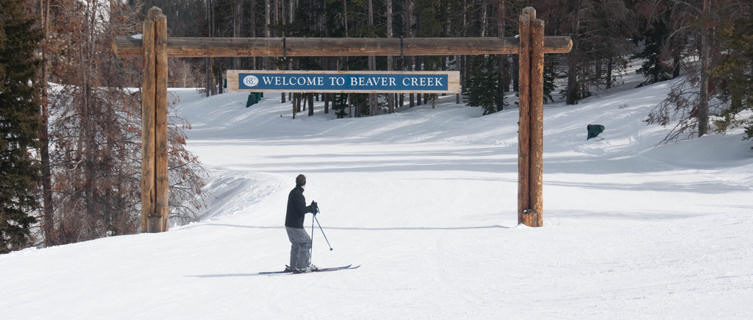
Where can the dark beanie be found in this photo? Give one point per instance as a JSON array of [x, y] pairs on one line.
[[300, 180]]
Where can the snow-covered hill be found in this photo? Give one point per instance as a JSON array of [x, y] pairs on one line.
[[425, 201]]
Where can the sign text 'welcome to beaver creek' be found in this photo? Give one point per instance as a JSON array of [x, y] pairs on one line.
[[344, 81]]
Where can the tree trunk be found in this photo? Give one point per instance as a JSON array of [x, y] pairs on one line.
[[280, 21], [464, 59], [390, 97], [48, 224], [703, 104], [350, 106], [212, 33], [283, 19], [291, 10], [372, 64], [736, 96], [450, 34], [501, 34], [345, 59], [410, 19], [237, 24], [208, 61], [610, 66], [267, 18], [447, 29], [276, 12], [220, 82], [294, 104], [252, 16], [515, 74], [345, 16], [483, 17], [311, 104], [90, 113], [572, 61], [267, 32]]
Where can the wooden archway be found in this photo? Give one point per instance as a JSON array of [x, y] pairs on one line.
[[156, 47]]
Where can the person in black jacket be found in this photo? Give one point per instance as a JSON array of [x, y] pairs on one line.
[[300, 249]]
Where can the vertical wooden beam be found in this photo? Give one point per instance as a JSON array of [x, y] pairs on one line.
[[147, 125], [162, 209], [524, 117], [537, 123]]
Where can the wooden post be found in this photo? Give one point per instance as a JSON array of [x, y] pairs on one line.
[[147, 124], [162, 209], [154, 182], [531, 131], [537, 123], [524, 118], [156, 47]]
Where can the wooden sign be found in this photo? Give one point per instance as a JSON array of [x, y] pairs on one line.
[[344, 81]]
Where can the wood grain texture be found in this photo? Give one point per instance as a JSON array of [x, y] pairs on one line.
[[537, 123], [147, 125], [336, 47], [530, 12], [524, 118], [162, 185]]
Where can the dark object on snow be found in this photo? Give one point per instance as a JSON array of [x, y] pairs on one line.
[[594, 130], [253, 98]]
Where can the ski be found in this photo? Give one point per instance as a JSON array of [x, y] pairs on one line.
[[350, 266], [274, 272]]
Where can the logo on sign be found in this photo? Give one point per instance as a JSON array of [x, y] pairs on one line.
[[250, 81]]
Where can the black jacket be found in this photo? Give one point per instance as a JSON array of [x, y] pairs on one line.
[[296, 209]]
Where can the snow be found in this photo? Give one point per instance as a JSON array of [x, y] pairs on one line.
[[425, 200]]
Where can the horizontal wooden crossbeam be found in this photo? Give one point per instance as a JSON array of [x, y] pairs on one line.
[[336, 47]]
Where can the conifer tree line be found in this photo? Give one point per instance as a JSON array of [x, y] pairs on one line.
[[70, 118], [704, 40], [19, 125], [70, 126]]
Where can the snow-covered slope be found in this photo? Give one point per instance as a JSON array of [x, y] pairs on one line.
[[425, 201]]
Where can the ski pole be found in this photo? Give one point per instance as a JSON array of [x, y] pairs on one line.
[[325, 236]]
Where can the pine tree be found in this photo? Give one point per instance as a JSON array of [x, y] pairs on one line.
[[483, 84], [339, 104], [690, 102], [653, 67], [19, 125], [736, 71], [550, 75], [95, 127]]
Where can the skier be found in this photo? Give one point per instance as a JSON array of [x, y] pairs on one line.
[[300, 250]]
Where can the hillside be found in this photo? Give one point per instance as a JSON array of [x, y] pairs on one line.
[[425, 201]]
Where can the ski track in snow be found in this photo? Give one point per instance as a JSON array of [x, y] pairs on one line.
[[425, 200]]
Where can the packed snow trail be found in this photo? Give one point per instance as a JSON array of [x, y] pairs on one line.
[[425, 201]]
